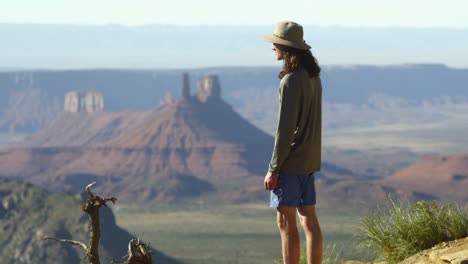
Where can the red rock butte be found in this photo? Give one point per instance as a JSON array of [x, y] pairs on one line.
[[194, 140]]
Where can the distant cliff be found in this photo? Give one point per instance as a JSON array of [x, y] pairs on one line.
[[249, 90], [27, 110]]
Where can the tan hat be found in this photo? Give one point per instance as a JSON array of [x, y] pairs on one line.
[[288, 33]]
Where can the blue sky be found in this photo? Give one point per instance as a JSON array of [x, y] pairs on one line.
[[114, 34], [374, 13]]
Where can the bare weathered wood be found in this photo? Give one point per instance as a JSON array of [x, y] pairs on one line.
[[138, 253], [73, 242], [91, 207]]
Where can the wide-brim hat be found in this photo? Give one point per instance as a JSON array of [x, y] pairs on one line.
[[288, 33]]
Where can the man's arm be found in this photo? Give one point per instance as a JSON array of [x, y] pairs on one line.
[[287, 123]]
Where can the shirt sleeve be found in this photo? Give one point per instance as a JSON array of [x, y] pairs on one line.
[[289, 104]]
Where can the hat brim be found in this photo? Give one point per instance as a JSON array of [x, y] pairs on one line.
[[276, 40]]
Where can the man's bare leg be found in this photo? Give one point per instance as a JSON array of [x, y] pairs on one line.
[[312, 232], [290, 243]]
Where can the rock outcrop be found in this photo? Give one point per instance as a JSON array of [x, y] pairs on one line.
[[84, 101], [209, 88], [452, 252]]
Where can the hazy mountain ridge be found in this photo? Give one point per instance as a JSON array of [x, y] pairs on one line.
[[156, 46], [364, 91]]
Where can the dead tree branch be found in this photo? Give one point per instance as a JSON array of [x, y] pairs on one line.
[[138, 253], [91, 207], [73, 242]]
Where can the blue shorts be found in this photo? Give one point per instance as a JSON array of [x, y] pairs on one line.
[[294, 191]]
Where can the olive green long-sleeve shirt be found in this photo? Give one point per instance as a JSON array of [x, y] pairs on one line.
[[298, 138]]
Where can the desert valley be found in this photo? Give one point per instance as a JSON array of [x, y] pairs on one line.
[[179, 158]]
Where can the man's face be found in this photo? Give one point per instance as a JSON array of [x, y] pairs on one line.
[[278, 52]]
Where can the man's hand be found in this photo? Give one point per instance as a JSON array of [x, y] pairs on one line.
[[271, 181]]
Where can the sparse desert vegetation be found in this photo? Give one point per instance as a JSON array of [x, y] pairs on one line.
[[403, 229]]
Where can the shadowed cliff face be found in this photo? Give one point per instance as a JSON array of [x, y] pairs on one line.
[[28, 214]]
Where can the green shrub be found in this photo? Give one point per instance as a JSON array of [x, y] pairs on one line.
[[406, 229]]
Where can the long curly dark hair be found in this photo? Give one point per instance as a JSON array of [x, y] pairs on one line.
[[293, 58]]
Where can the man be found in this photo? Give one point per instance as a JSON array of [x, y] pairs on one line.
[[297, 150]]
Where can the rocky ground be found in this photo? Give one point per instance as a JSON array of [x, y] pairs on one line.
[[453, 252]]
